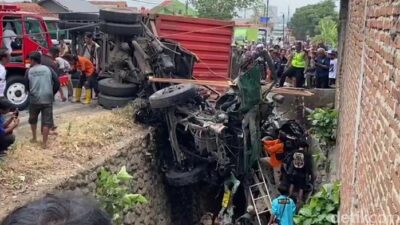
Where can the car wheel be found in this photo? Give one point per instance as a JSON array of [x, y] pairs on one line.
[[121, 29], [120, 16], [178, 178], [17, 91], [172, 95], [77, 26], [112, 87], [109, 102], [79, 16]]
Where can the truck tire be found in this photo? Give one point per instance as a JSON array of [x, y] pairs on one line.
[[172, 95], [121, 29], [75, 26], [79, 17], [17, 91], [112, 87], [178, 178], [109, 102], [125, 16]]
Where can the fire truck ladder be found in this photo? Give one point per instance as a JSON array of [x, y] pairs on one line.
[[260, 194]]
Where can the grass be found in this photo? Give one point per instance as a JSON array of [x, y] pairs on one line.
[[82, 138]]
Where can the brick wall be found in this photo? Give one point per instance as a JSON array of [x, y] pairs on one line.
[[369, 123]]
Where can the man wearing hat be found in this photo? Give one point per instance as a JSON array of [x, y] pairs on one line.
[[7, 127]]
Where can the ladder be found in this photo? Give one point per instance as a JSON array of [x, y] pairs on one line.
[[260, 194]]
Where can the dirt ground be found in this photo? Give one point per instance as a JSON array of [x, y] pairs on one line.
[[86, 133]]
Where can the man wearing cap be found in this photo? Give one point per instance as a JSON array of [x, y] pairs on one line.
[[297, 64], [332, 67], [42, 81], [7, 127]]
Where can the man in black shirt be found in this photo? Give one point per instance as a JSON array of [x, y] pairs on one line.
[[322, 63]]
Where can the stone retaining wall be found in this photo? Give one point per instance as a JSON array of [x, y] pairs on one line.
[[137, 156]]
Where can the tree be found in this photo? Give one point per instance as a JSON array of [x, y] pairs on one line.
[[221, 9], [327, 32], [306, 19]]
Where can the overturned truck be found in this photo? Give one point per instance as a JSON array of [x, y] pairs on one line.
[[213, 142]]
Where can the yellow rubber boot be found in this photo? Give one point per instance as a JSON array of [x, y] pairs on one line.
[[88, 96], [78, 94]]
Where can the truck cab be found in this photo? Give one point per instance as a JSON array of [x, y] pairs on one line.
[[22, 33]]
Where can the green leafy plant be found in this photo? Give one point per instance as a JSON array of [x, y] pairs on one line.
[[322, 208], [324, 125], [113, 193]]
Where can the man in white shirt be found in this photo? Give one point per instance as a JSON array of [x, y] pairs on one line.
[[8, 36], [4, 59], [332, 67], [63, 67]]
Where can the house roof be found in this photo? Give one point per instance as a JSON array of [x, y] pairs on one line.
[[34, 8], [110, 4], [75, 5]]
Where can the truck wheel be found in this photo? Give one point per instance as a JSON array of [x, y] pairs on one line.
[[178, 178], [71, 25], [17, 92], [121, 29], [120, 16], [172, 95], [109, 102], [112, 87], [79, 16]]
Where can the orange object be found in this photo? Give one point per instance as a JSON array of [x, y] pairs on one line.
[[273, 148], [85, 66]]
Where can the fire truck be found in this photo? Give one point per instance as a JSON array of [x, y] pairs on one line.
[[31, 35]]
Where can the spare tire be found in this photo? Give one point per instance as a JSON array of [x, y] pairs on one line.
[[110, 102], [172, 95], [121, 29], [79, 16], [120, 16], [112, 87]]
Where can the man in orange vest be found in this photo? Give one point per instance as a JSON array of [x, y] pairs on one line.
[[87, 70]]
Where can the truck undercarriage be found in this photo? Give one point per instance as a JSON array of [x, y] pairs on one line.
[[213, 142]]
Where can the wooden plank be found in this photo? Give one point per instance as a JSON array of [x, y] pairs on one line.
[[224, 84]]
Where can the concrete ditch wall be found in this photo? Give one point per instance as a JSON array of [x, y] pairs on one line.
[[137, 156]]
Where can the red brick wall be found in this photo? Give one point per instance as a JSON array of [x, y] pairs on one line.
[[369, 123]]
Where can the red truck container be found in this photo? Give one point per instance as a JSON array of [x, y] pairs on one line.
[[209, 39]]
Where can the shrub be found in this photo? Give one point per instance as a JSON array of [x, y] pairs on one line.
[[324, 125], [322, 208], [113, 193]]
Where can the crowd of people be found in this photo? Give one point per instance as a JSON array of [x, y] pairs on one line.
[[47, 74], [306, 65]]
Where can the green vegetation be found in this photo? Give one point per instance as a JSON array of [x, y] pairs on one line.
[[324, 125], [306, 19], [113, 193], [327, 32], [221, 9], [322, 208]]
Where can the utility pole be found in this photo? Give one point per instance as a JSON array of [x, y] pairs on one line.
[[283, 34], [288, 13], [187, 7], [267, 8]]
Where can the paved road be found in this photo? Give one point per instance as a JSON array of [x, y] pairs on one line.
[[61, 111]]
